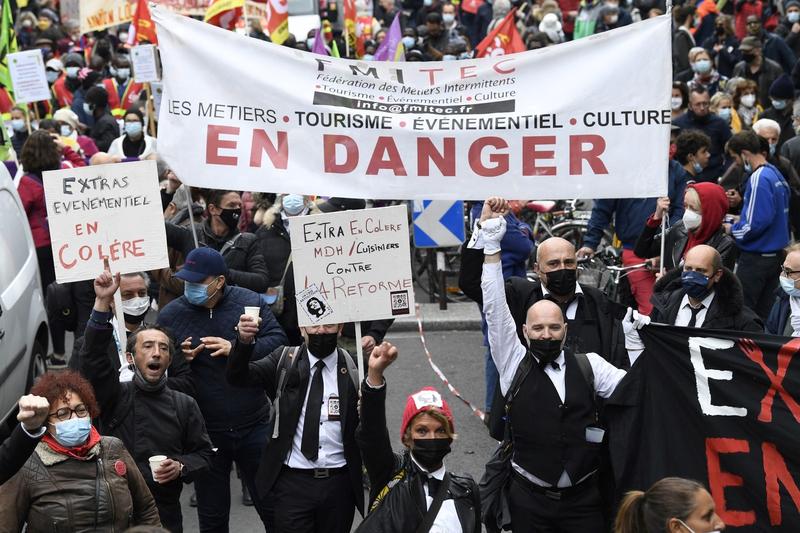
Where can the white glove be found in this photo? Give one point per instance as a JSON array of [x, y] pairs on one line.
[[631, 324], [492, 232]]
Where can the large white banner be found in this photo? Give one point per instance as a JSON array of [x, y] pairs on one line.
[[105, 212], [351, 266], [585, 119]]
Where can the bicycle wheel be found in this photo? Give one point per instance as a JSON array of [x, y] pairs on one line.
[[575, 230]]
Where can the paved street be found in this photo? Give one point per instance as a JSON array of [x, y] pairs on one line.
[[460, 356]]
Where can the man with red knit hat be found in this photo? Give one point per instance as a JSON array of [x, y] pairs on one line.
[[411, 491]]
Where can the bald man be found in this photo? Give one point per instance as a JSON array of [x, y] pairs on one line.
[[552, 397], [703, 294]]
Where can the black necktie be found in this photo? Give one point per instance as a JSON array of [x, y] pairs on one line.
[[695, 312], [310, 442], [433, 485]]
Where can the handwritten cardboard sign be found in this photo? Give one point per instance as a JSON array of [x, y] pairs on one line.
[[359, 261], [105, 211]]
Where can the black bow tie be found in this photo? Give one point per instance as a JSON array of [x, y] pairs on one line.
[[544, 364], [433, 485]]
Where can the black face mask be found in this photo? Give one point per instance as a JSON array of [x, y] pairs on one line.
[[561, 282], [748, 57], [322, 344], [231, 217], [720, 30], [430, 453], [545, 350], [133, 319]]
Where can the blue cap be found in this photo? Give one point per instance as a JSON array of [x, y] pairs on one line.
[[201, 263]]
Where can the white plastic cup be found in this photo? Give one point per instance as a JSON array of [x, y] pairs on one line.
[[253, 311], [155, 462]]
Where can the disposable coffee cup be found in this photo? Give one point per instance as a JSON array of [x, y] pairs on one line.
[[253, 311], [155, 462]]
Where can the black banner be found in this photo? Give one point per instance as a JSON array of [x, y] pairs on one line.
[[719, 408]]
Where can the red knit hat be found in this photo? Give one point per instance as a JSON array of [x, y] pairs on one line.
[[427, 399]]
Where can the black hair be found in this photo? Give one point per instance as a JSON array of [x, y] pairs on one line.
[[130, 346], [746, 140], [215, 196], [688, 143], [681, 86]]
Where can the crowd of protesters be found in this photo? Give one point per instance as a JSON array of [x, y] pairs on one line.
[[208, 386]]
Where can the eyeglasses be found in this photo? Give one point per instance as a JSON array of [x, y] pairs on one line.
[[65, 413], [790, 273]]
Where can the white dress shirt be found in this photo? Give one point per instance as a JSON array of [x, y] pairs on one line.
[[447, 518], [508, 352], [685, 311], [331, 444], [572, 308]]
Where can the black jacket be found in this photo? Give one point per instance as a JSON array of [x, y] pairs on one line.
[[649, 245], [223, 407], [521, 294], [149, 422], [246, 267], [727, 310], [242, 372], [403, 508], [14, 452], [104, 131]]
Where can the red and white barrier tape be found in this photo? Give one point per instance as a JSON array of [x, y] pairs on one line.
[[477, 412]]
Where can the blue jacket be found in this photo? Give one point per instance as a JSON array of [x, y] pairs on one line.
[[719, 131], [630, 214], [764, 223], [223, 406], [779, 314], [516, 246]]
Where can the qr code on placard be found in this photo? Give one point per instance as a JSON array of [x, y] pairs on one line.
[[399, 302]]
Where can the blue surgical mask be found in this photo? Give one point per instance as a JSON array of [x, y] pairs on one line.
[[772, 148], [310, 43], [725, 113], [779, 104], [408, 42], [697, 167], [427, 3], [448, 57], [748, 168], [293, 204], [702, 66], [72, 72], [88, 108], [196, 293], [695, 284], [368, 57], [793, 16], [133, 129], [788, 286], [66, 131], [73, 432], [18, 124], [123, 73], [448, 18], [51, 76]]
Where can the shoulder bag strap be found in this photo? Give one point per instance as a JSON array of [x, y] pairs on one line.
[[436, 504], [286, 269], [228, 245]]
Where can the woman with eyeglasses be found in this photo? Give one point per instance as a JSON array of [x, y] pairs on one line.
[[75, 480]]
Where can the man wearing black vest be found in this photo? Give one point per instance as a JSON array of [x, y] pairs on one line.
[[310, 470], [554, 421]]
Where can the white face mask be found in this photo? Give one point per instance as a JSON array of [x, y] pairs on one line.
[[676, 102], [136, 306], [749, 100], [692, 530], [692, 220]]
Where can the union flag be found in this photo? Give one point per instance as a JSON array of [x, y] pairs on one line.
[[142, 24], [224, 13], [504, 39]]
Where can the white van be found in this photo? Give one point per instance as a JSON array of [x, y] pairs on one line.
[[24, 336]]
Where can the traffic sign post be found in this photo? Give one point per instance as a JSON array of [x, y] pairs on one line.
[[438, 224]]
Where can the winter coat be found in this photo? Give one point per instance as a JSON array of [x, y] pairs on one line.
[[245, 263], [15, 451], [727, 310], [402, 509], [57, 493], [223, 406], [766, 75], [718, 130], [31, 192], [779, 318], [149, 420], [649, 245]]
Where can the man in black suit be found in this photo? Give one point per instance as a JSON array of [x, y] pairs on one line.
[[33, 411], [310, 470]]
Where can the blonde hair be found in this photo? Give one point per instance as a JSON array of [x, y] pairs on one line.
[[717, 99], [437, 415]]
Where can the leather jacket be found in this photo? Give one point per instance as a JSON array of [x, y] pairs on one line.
[[56, 493], [402, 508], [649, 245]]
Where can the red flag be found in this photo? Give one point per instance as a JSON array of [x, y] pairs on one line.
[[143, 24], [224, 13], [350, 15], [504, 39]]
